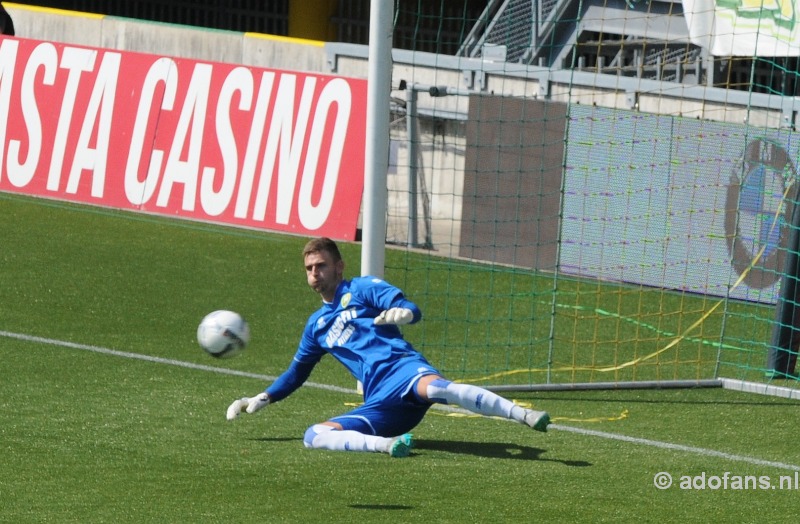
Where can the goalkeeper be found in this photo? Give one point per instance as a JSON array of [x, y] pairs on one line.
[[357, 324]]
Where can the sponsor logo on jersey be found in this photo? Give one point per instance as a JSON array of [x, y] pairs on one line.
[[340, 332]]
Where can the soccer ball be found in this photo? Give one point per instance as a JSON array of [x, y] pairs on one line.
[[223, 333]]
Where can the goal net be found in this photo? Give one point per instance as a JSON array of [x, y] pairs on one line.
[[598, 194]]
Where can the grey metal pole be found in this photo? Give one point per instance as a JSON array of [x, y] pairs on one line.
[[373, 249], [413, 145]]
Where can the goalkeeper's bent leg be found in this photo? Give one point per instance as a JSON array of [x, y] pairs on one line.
[[323, 436], [475, 399]]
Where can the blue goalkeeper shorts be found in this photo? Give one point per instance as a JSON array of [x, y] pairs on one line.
[[394, 407]]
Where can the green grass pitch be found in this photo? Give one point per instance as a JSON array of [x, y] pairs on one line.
[[89, 433]]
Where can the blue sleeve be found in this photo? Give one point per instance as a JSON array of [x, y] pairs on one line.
[[382, 295], [291, 379], [404, 302]]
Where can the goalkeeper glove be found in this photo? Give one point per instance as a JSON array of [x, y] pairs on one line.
[[396, 315], [248, 404]]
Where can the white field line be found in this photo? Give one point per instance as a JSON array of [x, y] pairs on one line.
[[678, 447], [580, 431], [159, 360]]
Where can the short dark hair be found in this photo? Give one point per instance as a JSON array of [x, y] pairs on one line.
[[317, 245]]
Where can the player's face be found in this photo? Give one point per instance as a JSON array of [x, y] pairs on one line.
[[323, 274]]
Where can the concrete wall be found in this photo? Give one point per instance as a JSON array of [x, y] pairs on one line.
[[166, 39]]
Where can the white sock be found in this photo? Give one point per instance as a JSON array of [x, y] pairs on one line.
[[475, 399], [321, 436]]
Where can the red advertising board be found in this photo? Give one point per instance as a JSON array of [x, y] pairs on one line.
[[261, 148]]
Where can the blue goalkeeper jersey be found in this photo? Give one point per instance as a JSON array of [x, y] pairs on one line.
[[345, 329]]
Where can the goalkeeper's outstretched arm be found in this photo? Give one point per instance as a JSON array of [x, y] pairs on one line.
[[291, 379]]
